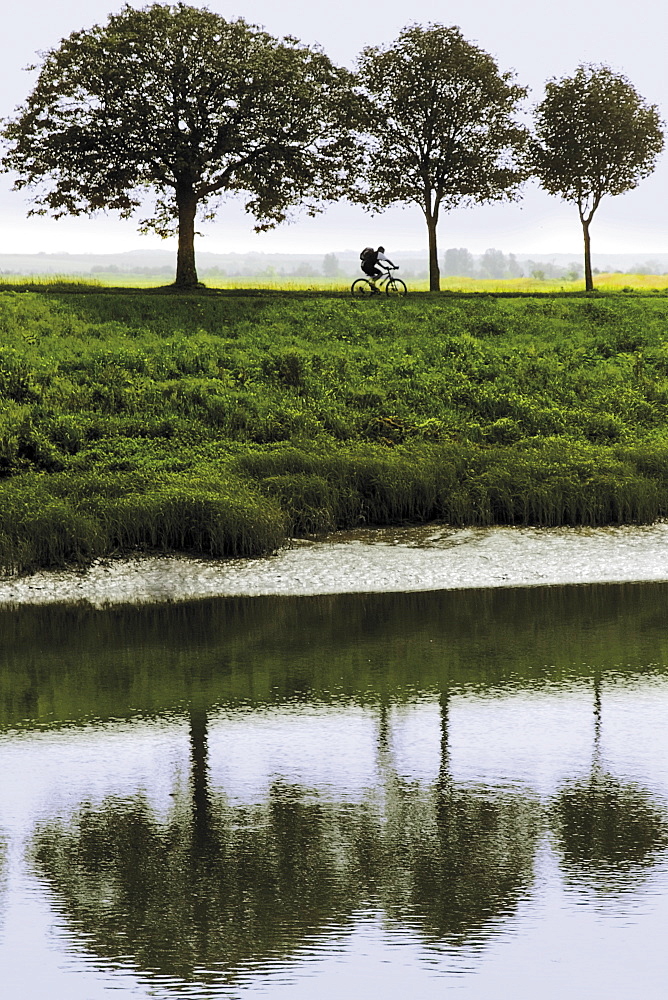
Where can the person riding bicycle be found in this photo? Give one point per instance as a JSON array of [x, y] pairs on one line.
[[369, 258]]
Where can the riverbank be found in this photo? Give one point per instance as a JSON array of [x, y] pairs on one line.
[[230, 425], [371, 561]]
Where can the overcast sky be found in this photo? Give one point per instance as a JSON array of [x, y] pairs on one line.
[[536, 39]]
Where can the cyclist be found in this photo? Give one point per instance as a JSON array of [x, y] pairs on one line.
[[370, 258]]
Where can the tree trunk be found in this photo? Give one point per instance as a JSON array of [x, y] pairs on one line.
[[434, 271], [186, 272], [444, 776], [589, 281], [201, 805], [596, 761], [444, 797]]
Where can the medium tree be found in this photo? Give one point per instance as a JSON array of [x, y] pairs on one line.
[[177, 100], [595, 135], [440, 128]]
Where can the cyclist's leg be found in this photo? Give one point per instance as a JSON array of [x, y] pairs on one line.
[[373, 274]]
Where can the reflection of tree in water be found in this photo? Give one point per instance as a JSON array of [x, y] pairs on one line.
[[134, 886], [3, 867], [215, 888], [460, 857], [608, 831], [212, 887], [220, 887]]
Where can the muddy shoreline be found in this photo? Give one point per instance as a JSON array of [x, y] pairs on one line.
[[428, 557]]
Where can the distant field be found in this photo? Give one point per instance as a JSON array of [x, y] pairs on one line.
[[225, 424], [606, 282], [603, 282]]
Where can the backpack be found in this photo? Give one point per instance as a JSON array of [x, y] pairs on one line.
[[368, 255]]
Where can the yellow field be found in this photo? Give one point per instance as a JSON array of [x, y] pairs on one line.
[[606, 282], [603, 282]]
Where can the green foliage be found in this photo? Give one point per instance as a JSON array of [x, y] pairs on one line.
[[595, 136], [224, 424]]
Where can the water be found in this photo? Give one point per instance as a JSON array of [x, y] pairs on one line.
[[397, 795]]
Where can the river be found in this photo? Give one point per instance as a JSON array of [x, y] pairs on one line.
[[396, 794]]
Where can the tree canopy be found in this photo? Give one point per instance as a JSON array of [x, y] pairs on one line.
[[181, 102], [440, 127], [594, 136]]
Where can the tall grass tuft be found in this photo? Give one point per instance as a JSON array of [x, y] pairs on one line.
[[545, 486], [68, 518]]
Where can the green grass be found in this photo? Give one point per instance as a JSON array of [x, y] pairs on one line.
[[223, 422]]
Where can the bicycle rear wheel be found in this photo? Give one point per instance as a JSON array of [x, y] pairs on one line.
[[361, 288], [395, 286]]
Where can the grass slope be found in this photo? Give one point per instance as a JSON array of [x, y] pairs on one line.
[[223, 423]]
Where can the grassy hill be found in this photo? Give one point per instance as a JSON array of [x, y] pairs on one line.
[[224, 422]]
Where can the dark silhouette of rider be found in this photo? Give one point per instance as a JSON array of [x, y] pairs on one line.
[[370, 268]]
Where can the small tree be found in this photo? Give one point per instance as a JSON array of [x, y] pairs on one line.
[[440, 130], [595, 135], [177, 100]]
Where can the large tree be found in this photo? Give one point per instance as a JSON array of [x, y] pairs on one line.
[[182, 102], [594, 136], [441, 130]]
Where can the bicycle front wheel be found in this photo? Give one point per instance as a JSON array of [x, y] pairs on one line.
[[361, 288], [395, 286]]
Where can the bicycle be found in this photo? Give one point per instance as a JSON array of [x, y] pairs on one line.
[[365, 288]]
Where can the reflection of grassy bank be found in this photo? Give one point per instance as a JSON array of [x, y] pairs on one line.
[[70, 664], [223, 423]]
